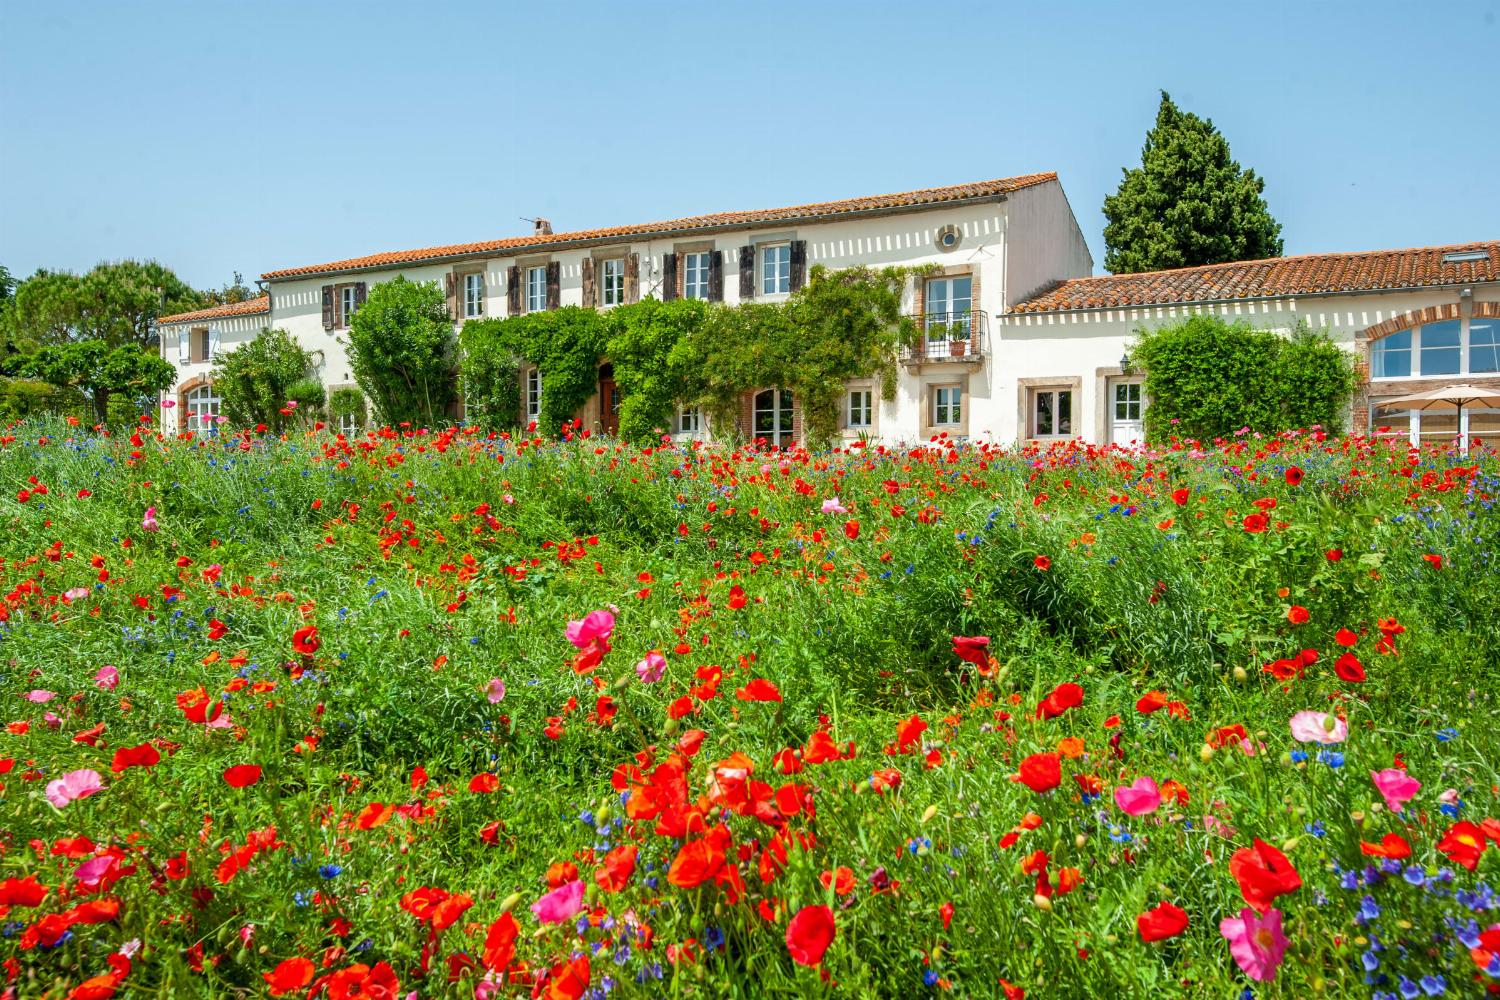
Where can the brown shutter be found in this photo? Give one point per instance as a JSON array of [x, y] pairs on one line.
[[452, 295], [554, 284], [716, 276], [669, 277], [513, 290], [799, 264], [633, 278], [328, 318], [360, 291], [747, 272], [587, 274]]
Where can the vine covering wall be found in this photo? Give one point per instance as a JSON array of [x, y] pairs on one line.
[[841, 325]]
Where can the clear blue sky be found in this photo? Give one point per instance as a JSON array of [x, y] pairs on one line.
[[218, 137]]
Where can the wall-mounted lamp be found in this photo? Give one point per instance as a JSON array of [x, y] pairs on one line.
[[1125, 363]]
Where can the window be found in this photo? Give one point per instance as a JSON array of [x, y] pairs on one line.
[[199, 344], [1484, 345], [1128, 401], [473, 295], [1441, 348], [348, 424], [1052, 413], [695, 277], [203, 407], [536, 289], [776, 269], [612, 283], [348, 304], [861, 408], [689, 419], [773, 417], [533, 395], [1392, 356], [947, 408], [948, 310]]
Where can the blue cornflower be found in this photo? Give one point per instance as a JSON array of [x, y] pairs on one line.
[[1434, 986], [1316, 828], [331, 871], [1415, 875], [1444, 735], [713, 938], [929, 978], [1298, 756], [1333, 758], [1368, 908]]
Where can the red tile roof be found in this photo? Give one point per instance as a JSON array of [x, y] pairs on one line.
[[1277, 277], [249, 307], [929, 197]]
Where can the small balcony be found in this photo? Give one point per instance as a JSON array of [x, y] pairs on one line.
[[961, 338]]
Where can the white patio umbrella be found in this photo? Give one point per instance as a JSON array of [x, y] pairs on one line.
[[1455, 396]]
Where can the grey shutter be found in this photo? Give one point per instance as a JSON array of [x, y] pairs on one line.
[[799, 264], [554, 284], [513, 290], [328, 307], [716, 276], [633, 278], [747, 272], [213, 341], [452, 281], [182, 346], [360, 291], [589, 294], [669, 277]]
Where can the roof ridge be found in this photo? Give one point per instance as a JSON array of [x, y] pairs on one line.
[[1445, 247], [915, 198], [244, 307]]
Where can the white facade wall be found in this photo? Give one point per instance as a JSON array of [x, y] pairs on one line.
[[224, 334]]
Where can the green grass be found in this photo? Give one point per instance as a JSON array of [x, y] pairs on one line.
[[422, 594]]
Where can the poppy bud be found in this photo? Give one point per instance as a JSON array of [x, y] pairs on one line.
[[1042, 903], [1240, 674], [1080, 840], [1289, 846], [622, 683], [928, 813], [1206, 754], [509, 902]]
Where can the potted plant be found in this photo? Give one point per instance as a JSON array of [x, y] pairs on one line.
[[958, 348]]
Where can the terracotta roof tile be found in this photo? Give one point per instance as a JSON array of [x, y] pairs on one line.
[[720, 220], [1279, 276], [249, 307]]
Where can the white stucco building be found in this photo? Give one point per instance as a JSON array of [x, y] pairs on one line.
[[190, 340], [1024, 344]]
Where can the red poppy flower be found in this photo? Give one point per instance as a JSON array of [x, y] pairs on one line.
[[1063, 697], [500, 943], [1180, 496], [305, 640], [809, 934], [1161, 922], [851, 530], [1263, 873], [1151, 701], [1297, 614], [569, 979], [1463, 844], [1392, 845], [22, 892], [696, 863], [144, 755], [289, 976], [1293, 476], [361, 980], [759, 689], [1041, 772], [618, 865], [484, 783], [1345, 638], [242, 775], [1349, 669], [1254, 523], [972, 649], [908, 732], [1042, 563]]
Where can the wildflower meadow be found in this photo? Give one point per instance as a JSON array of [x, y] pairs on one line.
[[462, 714]]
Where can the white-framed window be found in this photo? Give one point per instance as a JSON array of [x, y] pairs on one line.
[[774, 417], [473, 295], [348, 424], [203, 407], [348, 303], [695, 276], [776, 269], [612, 282], [947, 405], [1051, 413], [860, 413], [536, 289], [1128, 401], [689, 419], [1447, 347], [533, 394]]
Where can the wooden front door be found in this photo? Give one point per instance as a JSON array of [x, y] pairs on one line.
[[609, 405]]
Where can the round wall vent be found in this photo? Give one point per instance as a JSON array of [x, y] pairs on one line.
[[948, 238]]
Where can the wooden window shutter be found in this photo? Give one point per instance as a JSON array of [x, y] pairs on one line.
[[513, 290], [716, 276], [452, 294], [633, 278], [799, 264], [669, 277], [213, 343], [183, 336], [587, 274], [328, 318], [360, 291], [747, 272], [554, 284]]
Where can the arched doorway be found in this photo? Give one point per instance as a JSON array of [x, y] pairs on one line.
[[609, 401], [772, 417], [203, 408]]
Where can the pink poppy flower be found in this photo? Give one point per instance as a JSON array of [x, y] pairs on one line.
[[1319, 727], [73, 786], [40, 697], [1256, 942], [833, 506], [148, 523], [94, 870], [75, 594], [1140, 798], [495, 690], [595, 625], [561, 904], [652, 667], [107, 678], [1395, 786]]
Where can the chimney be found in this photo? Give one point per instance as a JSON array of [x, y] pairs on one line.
[[543, 227]]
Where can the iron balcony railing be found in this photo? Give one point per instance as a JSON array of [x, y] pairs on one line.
[[950, 336]]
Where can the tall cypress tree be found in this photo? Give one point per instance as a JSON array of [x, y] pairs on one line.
[[1188, 203]]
